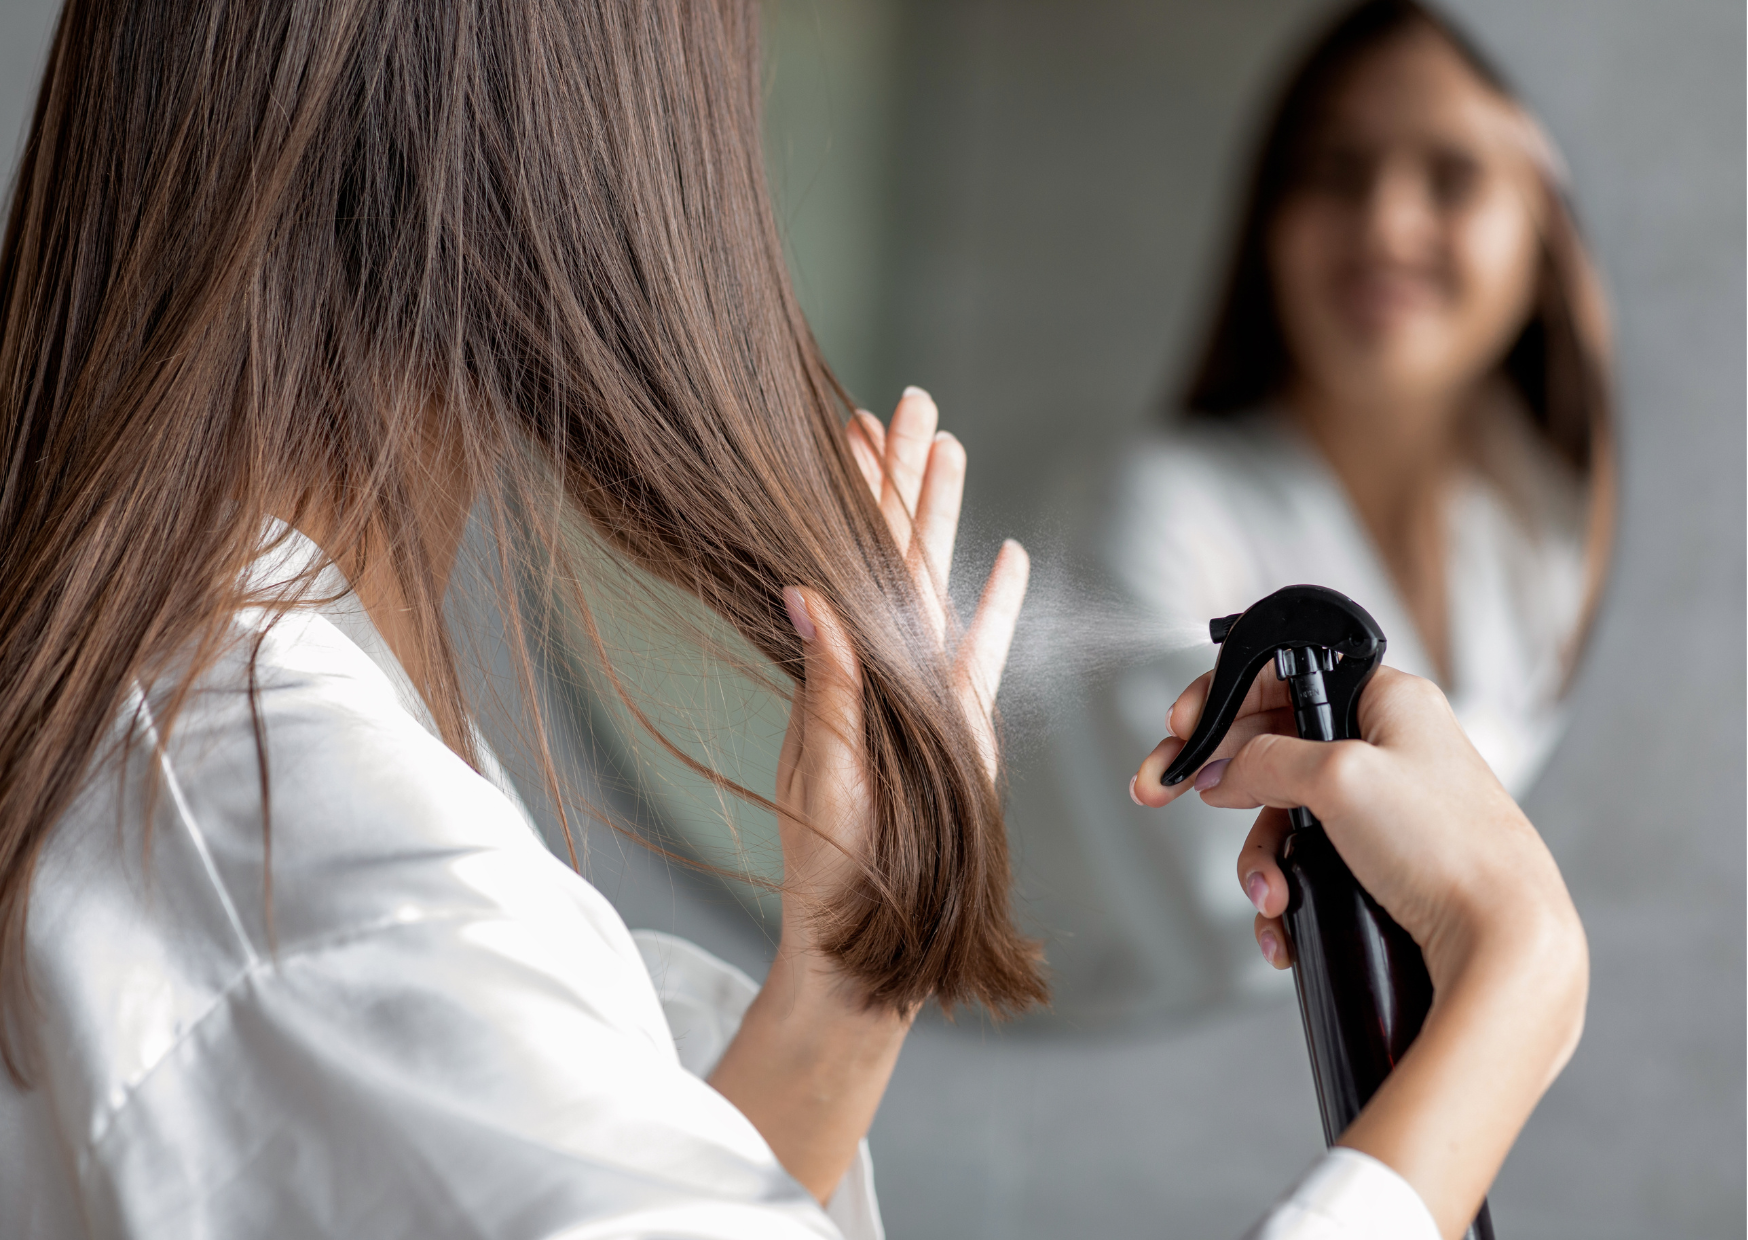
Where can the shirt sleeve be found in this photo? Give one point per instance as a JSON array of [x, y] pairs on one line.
[[704, 999], [1348, 1195], [444, 1079]]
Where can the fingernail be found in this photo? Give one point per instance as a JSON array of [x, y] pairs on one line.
[[1211, 775], [943, 436], [913, 390], [1269, 944], [798, 616], [1132, 795], [1257, 888]]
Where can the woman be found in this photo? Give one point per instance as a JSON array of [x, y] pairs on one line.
[[289, 294], [1405, 396]]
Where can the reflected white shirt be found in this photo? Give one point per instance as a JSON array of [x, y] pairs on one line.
[[1209, 519], [1204, 520], [441, 1032]]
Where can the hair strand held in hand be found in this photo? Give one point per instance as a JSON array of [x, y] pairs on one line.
[[261, 255]]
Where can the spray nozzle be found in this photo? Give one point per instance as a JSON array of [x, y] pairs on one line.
[[1323, 644]]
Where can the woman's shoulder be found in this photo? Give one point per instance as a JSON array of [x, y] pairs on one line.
[[204, 867], [367, 811], [298, 794], [294, 802]]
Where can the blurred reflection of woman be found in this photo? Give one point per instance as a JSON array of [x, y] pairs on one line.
[[1404, 396]]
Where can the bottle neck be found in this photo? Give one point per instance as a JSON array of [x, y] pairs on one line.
[[1302, 667]]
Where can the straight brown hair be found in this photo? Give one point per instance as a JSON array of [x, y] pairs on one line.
[[268, 248], [1558, 364]]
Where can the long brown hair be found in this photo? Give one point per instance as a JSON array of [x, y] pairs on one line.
[[265, 249], [1559, 362]]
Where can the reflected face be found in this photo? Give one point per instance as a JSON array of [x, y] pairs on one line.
[[1404, 259]]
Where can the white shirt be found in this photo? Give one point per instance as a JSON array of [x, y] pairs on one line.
[[441, 1032]]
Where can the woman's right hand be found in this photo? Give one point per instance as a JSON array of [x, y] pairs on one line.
[[1427, 829]]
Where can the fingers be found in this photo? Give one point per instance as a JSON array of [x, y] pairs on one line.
[[1283, 771], [1293, 772], [917, 476], [918, 473], [867, 444], [1267, 708], [908, 440], [984, 652], [875, 430], [937, 511], [1146, 788], [1267, 693], [829, 701], [821, 776], [1259, 874], [1272, 941], [1180, 722], [1186, 712]]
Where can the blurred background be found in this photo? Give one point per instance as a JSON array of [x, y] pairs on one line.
[[1026, 206]]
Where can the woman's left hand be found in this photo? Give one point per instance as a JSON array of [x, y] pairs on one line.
[[917, 476], [812, 1058]]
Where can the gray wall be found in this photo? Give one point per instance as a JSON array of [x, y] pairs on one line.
[[1019, 205], [24, 35]]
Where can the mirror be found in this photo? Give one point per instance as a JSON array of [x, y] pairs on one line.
[[1288, 300]]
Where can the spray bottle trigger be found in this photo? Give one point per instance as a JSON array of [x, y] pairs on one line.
[[1314, 625]]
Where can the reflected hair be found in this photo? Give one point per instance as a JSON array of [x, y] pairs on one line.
[[260, 254], [1559, 364]]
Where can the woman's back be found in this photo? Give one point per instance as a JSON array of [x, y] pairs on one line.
[[429, 1019]]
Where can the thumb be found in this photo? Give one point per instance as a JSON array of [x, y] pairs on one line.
[[830, 697]]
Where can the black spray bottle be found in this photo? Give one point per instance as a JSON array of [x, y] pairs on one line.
[[1363, 986]]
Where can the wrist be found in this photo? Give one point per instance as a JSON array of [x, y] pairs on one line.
[[809, 990], [1528, 970], [810, 1064], [1505, 1019], [1506, 913], [1506, 934]]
